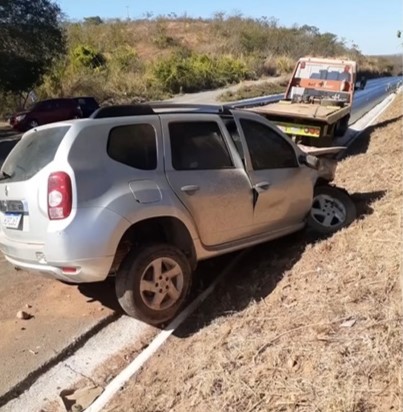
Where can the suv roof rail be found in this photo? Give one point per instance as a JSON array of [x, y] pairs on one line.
[[122, 111], [204, 108], [148, 109]]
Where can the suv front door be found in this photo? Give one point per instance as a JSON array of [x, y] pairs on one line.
[[206, 173], [283, 188]]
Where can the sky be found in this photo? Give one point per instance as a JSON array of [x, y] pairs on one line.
[[371, 24]]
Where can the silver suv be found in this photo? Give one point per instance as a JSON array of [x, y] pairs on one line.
[[144, 192]]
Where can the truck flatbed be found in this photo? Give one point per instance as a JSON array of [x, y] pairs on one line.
[[328, 114]]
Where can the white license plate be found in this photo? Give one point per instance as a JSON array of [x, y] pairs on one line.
[[12, 220]]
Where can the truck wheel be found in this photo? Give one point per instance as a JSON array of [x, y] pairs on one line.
[[341, 126], [332, 209], [153, 282]]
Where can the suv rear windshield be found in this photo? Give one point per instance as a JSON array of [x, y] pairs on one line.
[[32, 154]]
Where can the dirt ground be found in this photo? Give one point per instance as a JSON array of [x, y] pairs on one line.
[[303, 324], [60, 315]]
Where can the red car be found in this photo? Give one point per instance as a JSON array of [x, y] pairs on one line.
[[46, 111]]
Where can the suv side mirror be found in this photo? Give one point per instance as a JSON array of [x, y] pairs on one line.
[[310, 161]]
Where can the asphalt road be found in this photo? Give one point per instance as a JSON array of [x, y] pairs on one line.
[[64, 314]]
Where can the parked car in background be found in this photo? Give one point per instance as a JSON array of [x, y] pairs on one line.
[[87, 104], [46, 111]]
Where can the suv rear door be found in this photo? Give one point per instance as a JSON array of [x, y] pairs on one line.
[[23, 186], [65, 109], [283, 188], [207, 175]]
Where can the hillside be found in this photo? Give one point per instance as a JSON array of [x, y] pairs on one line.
[[136, 60]]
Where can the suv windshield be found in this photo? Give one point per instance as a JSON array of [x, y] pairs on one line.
[[32, 153]]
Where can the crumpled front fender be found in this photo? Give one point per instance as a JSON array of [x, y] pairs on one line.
[[327, 168]]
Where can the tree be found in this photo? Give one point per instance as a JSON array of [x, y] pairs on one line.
[[31, 37], [94, 20]]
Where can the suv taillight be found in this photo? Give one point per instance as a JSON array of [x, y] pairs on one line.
[[59, 196]]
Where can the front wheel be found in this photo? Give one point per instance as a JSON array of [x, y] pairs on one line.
[[332, 209], [153, 282], [32, 124]]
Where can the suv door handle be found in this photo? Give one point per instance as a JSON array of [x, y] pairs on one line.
[[190, 189], [261, 186]]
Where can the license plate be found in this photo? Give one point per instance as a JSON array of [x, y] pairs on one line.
[[300, 130], [12, 220]]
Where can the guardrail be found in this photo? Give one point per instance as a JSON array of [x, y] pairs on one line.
[[256, 101]]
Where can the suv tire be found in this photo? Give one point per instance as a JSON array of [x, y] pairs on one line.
[[332, 209], [153, 282]]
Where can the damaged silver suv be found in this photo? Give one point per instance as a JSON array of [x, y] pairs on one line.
[[144, 192]]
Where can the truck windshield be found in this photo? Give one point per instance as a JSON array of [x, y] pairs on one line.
[[32, 153], [323, 71]]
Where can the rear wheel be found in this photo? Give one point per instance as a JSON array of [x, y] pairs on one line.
[[342, 126], [332, 209], [153, 283]]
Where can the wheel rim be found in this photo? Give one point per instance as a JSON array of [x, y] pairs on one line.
[[33, 124], [328, 211], [161, 284]]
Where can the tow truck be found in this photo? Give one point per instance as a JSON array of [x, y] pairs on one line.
[[317, 103]]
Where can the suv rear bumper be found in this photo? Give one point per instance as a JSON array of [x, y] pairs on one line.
[[30, 257], [89, 270], [75, 253]]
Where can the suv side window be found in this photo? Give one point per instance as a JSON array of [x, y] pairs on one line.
[[53, 105], [44, 106], [268, 150], [134, 145], [198, 145]]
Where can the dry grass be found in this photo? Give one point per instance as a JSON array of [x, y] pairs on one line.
[[304, 324], [275, 86]]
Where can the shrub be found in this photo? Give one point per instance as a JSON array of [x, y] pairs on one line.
[[87, 56], [125, 58], [270, 66], [198, 72], [95, 20], [253, 39], [285, 64], [161, 39]]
